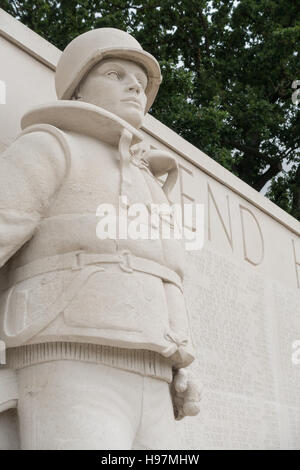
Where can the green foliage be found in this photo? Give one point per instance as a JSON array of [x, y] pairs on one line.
[[228, 69]]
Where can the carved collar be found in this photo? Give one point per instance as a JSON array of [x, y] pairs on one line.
[[83, 118], [93, 121]]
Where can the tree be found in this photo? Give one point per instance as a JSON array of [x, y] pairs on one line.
[[228, 70]]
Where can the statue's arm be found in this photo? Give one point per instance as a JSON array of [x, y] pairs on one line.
[[31, 172]]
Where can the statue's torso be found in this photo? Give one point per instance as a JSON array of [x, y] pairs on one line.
[[107, 306]]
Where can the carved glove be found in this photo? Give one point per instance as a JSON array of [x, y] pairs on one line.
[[159, 162], [186, 395]]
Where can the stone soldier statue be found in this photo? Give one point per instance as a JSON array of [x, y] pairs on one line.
[[96, 330]]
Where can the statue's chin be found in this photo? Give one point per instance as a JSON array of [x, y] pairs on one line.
[[130, 113], [134, 118]]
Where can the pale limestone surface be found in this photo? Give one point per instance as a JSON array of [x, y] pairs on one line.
[[65, 291], [242, 289]]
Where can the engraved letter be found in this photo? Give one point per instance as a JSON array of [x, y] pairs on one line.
[[228, 232], [251, 238], [297, 264], [184, 196]]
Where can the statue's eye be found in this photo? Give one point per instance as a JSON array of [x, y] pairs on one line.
[[113, 74], [143, 83]]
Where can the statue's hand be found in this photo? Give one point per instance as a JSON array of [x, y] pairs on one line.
[[139, 150], [186, 395]]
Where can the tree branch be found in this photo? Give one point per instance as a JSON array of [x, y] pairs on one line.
[[275, 168], [252, 151]]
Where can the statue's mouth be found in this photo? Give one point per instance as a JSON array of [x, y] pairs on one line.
[[133, 101]]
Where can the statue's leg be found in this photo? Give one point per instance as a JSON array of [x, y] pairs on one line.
[[157, 428], [9, 433], [78, 405]]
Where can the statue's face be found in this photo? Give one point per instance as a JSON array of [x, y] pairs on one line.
[[118, 86]]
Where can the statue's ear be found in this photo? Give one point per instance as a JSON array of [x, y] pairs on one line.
[[161, 163]]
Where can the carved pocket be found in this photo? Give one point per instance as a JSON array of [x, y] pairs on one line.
[[30, 300], [108, 300]]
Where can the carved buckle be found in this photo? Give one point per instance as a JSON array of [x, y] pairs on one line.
[[78, 261], [178, 342], [125, 263]]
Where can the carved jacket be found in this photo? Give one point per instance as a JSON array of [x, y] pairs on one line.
[[59, 281]]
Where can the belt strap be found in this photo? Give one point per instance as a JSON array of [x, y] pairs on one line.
[[80, 259]]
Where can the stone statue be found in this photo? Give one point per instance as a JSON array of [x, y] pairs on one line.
[[96, 329]]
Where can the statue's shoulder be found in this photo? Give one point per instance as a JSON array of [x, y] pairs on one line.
[[38, 149], [39, 143], [44, 138]]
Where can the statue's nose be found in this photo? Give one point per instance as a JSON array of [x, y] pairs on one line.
[[134, 85]]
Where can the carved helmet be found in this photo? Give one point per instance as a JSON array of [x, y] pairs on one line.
[[90, 48]]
